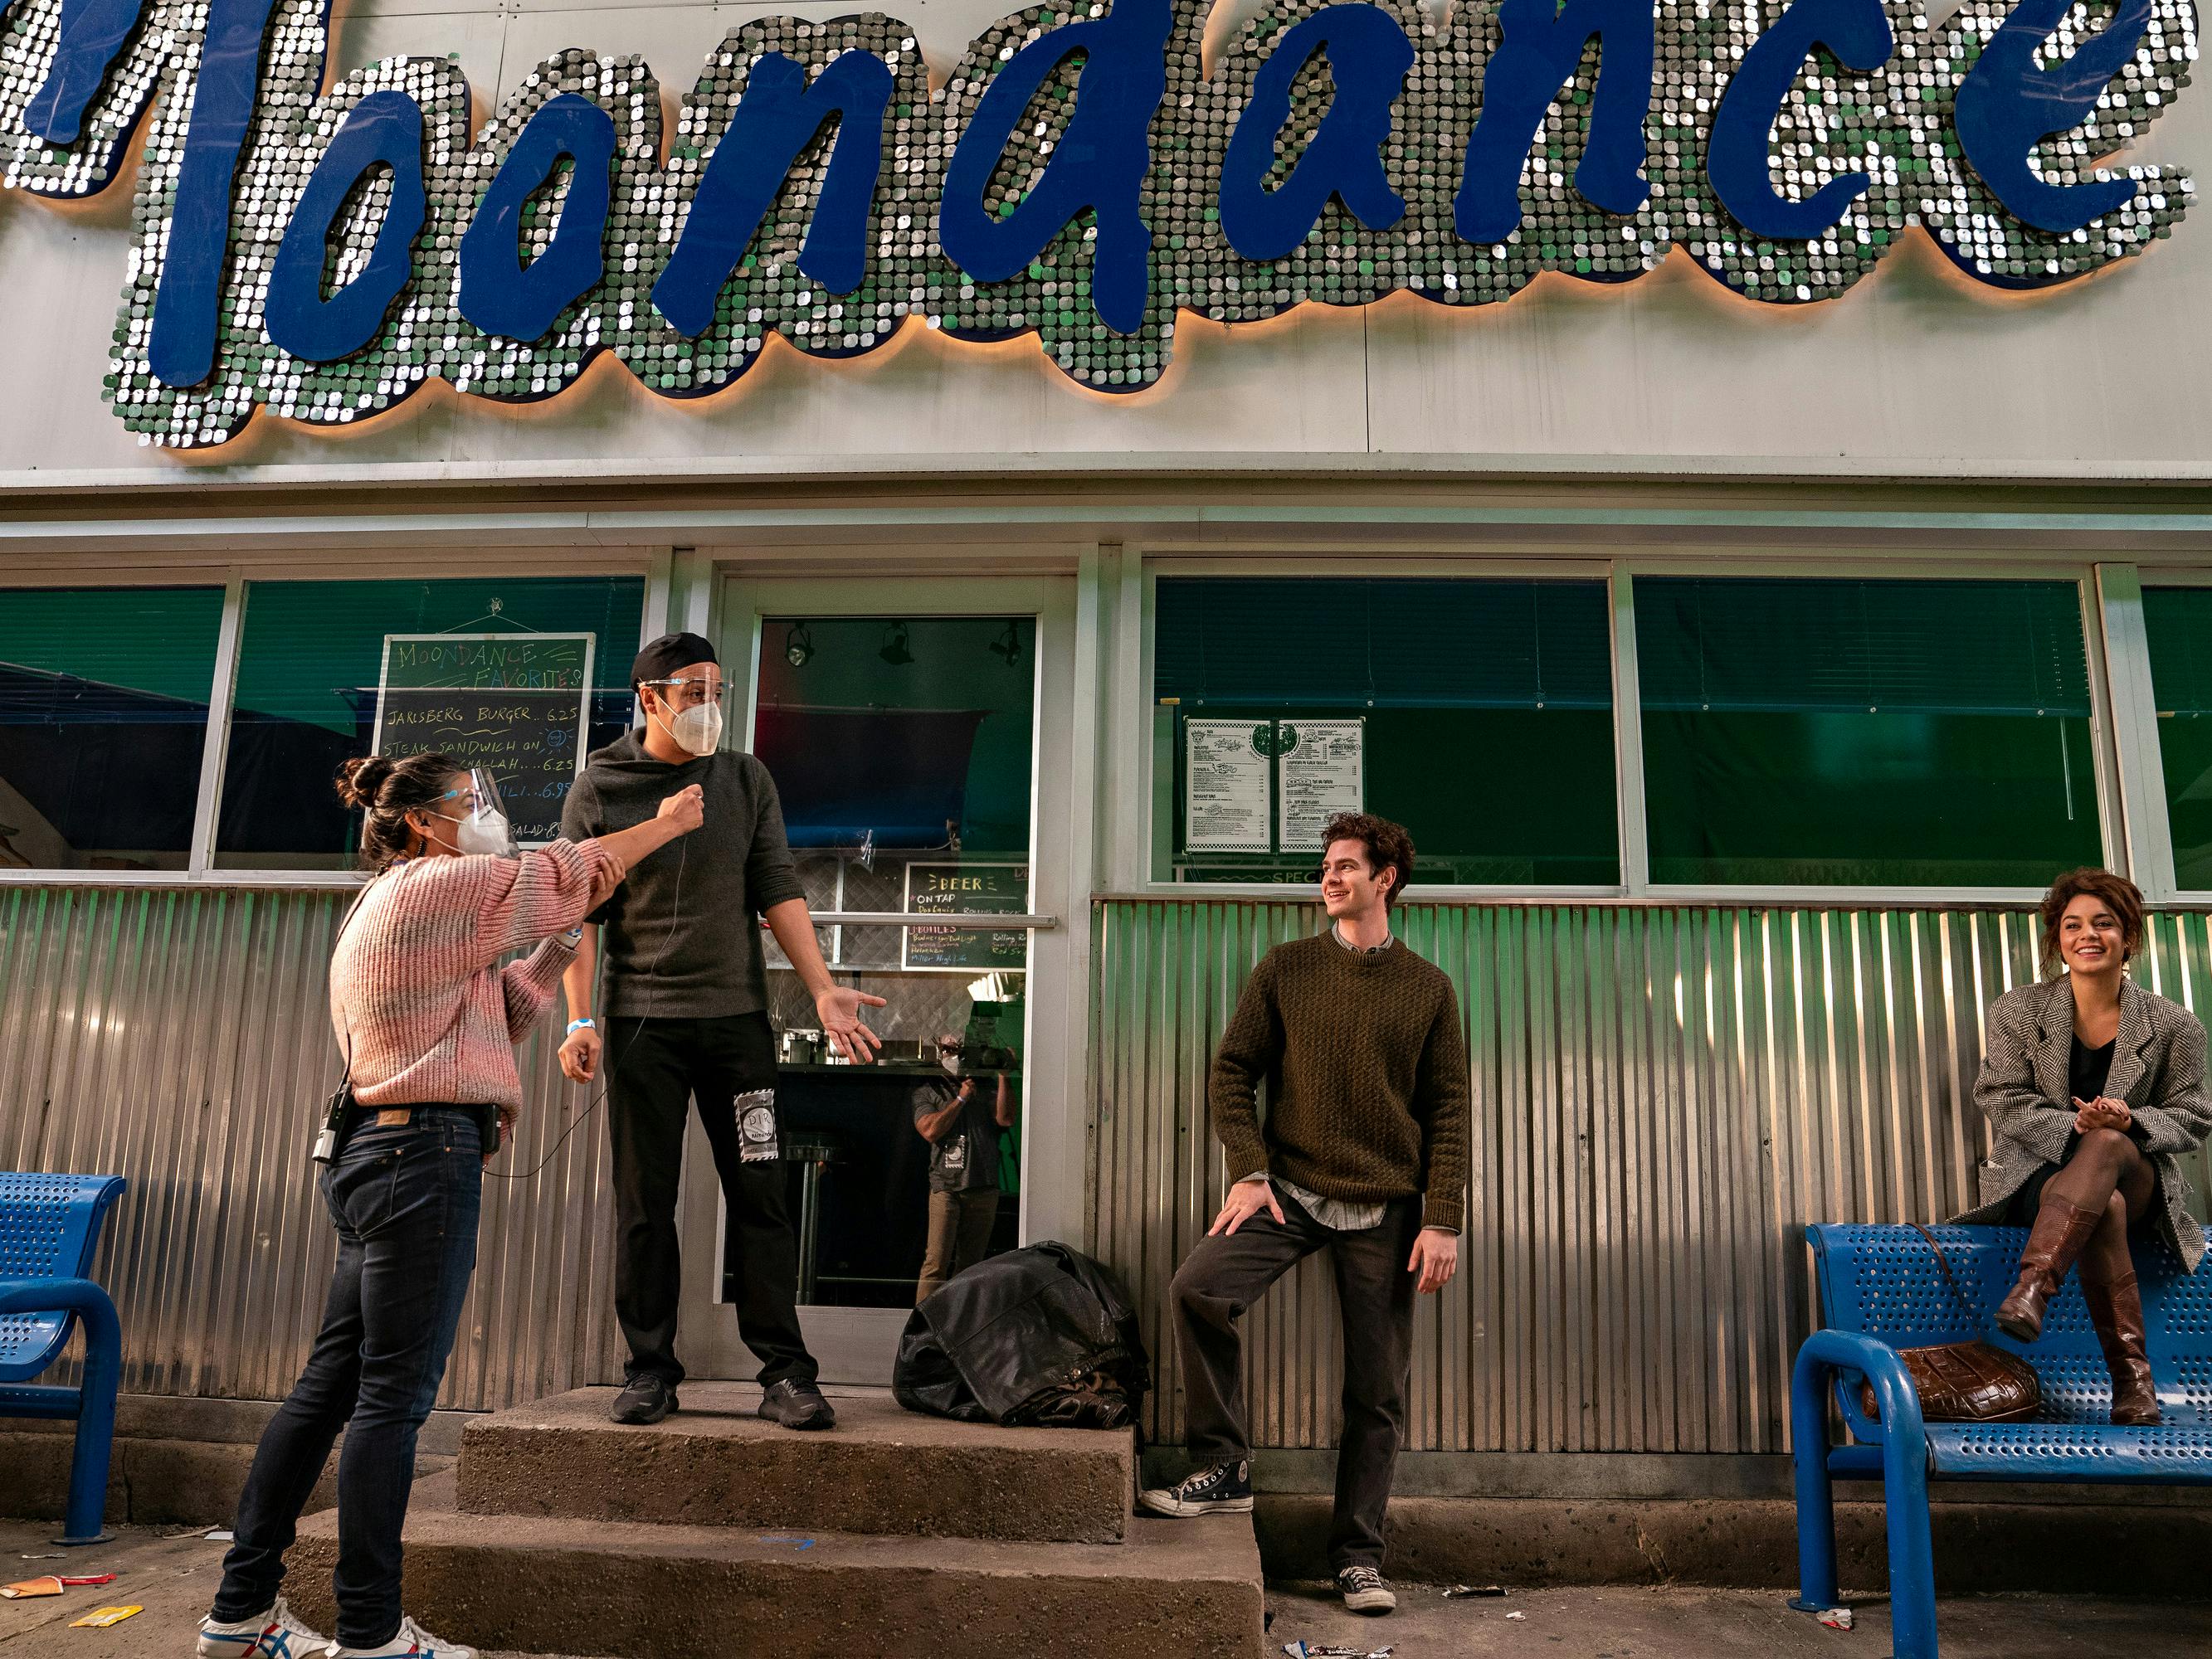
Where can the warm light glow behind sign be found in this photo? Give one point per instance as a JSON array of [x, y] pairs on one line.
[[1079, 177]]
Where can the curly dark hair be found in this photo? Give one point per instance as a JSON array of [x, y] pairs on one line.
[[1388, 846], [387, 791], [2117, 893]]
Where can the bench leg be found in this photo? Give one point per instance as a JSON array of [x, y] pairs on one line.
[[95, 1426], [1911, 1549], [1816, 1503]]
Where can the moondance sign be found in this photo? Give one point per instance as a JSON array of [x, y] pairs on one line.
[[1080, 177]]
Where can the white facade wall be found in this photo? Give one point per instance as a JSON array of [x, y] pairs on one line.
[[1916, 371]]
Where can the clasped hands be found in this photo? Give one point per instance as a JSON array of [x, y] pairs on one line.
[[1435, 1250], [2102, 1113]]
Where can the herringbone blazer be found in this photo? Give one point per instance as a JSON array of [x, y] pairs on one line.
[[2158, 1069]]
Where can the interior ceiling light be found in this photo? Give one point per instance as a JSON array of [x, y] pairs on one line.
[[799, 646], [895, 650], [1009, 646]]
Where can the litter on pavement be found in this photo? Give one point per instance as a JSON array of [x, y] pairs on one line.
[[1836, 1618], [1332, 1651], [1517, 1615], [55, 1555], [221, 1535], [101, 1618], [50, 1585], [1475, 1590]]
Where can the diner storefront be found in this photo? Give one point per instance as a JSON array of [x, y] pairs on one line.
[[1743, 671]]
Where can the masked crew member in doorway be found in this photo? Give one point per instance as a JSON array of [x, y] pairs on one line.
[[1363, 1153], [686, 1016], [963, 1164]]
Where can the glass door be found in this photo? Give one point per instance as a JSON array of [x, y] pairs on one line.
[[902, 723]]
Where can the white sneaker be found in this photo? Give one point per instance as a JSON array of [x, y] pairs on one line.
[[413, 1641], [275, 1634]]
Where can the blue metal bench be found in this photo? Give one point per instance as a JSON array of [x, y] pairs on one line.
[[49, 1227], [1880, 1291]]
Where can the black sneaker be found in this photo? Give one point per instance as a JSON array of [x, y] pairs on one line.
[[1216, 1489], [797, 1405], [646, 1398], [1363, 1590]]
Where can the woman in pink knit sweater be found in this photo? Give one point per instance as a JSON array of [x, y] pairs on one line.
[[427, 1017]]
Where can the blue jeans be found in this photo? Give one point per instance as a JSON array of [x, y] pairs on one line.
[[404, 1200]]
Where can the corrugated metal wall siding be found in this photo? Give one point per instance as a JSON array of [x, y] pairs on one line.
[[182, 1037], [1664, 1095]]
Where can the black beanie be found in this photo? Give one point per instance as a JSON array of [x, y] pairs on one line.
[[668, 653]]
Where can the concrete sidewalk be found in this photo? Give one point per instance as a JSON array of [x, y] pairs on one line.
[[1578, 1623], [173, 1577]]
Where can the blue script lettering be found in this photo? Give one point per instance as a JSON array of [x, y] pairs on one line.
[[1099, 165], [498, 293], [1368, 56], [1544, 42]]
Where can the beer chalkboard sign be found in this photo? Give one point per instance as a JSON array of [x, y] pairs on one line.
[[962, 889], [515, 704]]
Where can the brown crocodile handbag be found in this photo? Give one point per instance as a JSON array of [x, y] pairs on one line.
[[1964, 1381]]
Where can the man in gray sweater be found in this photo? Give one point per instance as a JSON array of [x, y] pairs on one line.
[[686, 1013]]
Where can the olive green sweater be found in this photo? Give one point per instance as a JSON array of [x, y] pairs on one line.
[[1365, 1070]]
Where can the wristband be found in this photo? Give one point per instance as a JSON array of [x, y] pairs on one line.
[[577, 1025]]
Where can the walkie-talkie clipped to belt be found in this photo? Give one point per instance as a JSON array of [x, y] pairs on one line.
[[334, 1121]]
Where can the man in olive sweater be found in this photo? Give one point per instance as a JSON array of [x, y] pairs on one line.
[[1364, 1151]]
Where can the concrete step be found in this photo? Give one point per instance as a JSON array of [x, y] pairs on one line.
[[1187, 1589], [883, 1469]]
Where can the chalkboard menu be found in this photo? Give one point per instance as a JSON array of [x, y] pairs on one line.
[[515, 704], [957, 888]]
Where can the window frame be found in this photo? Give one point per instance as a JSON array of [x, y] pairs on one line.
[[660, 569], [2100, 587], [2121, 586]]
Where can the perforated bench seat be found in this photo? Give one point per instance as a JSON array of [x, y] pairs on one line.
[[1881, 1290], [49, 1229]]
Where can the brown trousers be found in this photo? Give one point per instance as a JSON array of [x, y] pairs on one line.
[[959, 1233]]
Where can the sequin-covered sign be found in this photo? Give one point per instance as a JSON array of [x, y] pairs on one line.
[[1080, 177]]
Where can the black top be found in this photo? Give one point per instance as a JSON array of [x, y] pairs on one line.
[[2087, 1068], [678, 938], [966, 1159]]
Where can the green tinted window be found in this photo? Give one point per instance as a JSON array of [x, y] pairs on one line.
[[2179, 623], [1436, 703], [1834, 733], [516, 675], [103, 722]]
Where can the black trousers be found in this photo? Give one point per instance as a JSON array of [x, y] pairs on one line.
[[656, 1069], [1229, 1271]]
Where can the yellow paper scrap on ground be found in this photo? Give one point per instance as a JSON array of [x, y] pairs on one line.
[[101, 1618]]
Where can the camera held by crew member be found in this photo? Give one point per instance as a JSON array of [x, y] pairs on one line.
[[963, 1164]]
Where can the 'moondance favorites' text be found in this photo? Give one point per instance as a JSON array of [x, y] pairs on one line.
[[1078, 176]]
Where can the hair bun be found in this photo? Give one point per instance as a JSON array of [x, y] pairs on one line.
[[361, 779]]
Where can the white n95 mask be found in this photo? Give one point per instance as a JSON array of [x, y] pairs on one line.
[[698, 731], [481, 830]]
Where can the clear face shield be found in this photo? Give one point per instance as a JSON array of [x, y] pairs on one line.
[[694, 706], [478, 816]]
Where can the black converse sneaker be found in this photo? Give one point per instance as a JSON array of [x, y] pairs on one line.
[[1216, 1489], [1363, 1590]]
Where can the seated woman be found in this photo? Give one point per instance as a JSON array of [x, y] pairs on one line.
[[2092, 1085]]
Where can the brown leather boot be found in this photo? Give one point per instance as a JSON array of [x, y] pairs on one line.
[[2115, 1309], [2061, 1230]]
